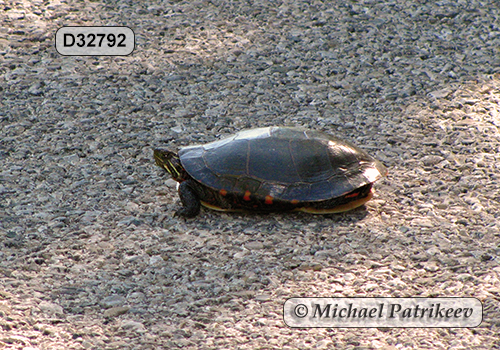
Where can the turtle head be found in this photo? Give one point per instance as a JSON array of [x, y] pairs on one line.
[[171, 162]]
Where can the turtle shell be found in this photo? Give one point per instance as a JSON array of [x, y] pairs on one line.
[[288, 164]]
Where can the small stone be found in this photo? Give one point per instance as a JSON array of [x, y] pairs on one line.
[[73, 159], [156, 260], [310, 267], [443, 93], [430, 266], [255, 245], [112, 301], [422, 222], [86, 344], [464, 277], [133, 326], [262, 297], [171, 183], [174, 77], [51, 308], [116, 311], [432, 160], [441, 206], [486, 257], [240, 255]]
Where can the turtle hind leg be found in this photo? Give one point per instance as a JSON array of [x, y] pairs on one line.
[[349, 201], [190, 201]]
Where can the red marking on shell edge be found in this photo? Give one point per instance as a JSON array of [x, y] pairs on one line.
[[223, 192], [352, 195], [246, 197], [269, 200]]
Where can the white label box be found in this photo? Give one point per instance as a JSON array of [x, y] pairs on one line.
[[95, 41], [383, 312]]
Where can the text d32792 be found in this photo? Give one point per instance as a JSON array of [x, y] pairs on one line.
[[95, 41]]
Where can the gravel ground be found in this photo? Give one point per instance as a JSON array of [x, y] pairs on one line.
[[91, 255]]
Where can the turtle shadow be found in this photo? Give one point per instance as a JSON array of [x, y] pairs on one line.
[[353, 215]]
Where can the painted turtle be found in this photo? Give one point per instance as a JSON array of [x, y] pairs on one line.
[[272, 169]]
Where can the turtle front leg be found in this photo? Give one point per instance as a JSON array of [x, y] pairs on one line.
[[190, 201]]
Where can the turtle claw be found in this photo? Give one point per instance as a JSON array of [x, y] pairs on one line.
[[185, 213]]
